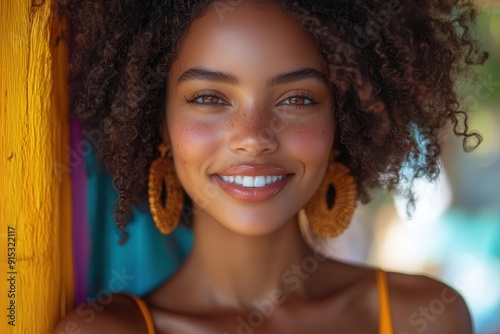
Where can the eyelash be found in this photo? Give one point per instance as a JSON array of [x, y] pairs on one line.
[[202, 94], [300, 94]]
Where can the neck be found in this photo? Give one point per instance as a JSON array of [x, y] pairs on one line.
[[237, 270]]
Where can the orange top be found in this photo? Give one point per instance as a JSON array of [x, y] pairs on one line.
[[385, 322], [145, 312], [385, 318]]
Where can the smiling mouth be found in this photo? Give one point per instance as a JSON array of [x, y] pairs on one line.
[[252, 181]]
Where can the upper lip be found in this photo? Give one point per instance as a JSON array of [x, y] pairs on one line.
[[257, 170]]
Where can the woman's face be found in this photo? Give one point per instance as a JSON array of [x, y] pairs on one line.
[[249, 117]]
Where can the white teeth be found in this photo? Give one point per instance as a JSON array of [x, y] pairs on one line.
[[248, 181], [252, 181], [260, 181]]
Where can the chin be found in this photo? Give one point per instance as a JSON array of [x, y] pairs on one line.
[[252, 229], [253, 223]]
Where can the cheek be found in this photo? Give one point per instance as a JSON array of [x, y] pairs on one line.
[[192, 140], [311, 141]]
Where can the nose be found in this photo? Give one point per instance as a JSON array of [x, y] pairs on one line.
[[252, 133]]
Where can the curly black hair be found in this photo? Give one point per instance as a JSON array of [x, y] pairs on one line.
[[392, 67]]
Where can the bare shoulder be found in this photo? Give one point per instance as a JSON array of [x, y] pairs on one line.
[[118, 314], [420, 304]]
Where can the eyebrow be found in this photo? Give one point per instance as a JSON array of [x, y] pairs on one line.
[[204, 74]]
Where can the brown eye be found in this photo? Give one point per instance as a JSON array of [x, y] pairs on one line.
[[207, 98], [297, 100], [210, 99]]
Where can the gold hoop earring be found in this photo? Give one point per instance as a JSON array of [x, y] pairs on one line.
[[161, 174], [330, 210]]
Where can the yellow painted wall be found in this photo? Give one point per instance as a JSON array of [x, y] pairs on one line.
[[35, 198]]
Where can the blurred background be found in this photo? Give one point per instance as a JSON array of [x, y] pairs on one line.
[[454, 234]]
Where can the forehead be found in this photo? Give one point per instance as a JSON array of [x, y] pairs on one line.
[[247, 38]]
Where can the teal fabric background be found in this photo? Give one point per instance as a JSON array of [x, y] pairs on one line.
[[145, 260]]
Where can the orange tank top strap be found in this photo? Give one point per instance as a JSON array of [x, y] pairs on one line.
[[141, 304], [385, 322]]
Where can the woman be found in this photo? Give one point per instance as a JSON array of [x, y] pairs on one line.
[[258, 116]]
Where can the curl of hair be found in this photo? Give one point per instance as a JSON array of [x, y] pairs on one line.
[[392, 66]]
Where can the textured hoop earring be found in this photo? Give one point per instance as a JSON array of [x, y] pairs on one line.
[[330, 210], [161, 174]]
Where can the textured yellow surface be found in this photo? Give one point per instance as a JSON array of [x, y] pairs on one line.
[[35, 198]]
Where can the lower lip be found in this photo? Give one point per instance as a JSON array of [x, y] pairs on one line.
[[252, 194]]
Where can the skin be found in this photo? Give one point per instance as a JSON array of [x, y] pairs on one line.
[[253, 252]]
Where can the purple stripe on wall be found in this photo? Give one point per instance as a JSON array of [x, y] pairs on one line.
[[81, 242]]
